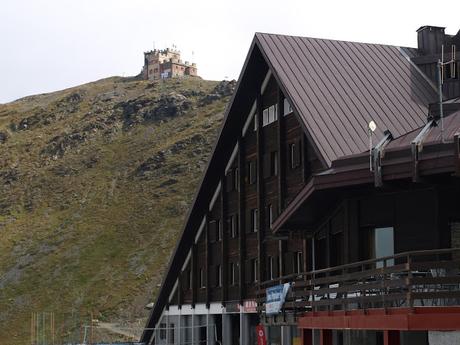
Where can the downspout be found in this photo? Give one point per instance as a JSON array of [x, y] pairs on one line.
[[417, 148], [377, 153]]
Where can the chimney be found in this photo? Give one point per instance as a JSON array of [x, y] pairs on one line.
[[430, 39]]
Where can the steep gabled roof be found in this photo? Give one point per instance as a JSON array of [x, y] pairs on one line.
[[337, 87]]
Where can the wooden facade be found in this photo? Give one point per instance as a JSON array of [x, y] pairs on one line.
[[274, 208]]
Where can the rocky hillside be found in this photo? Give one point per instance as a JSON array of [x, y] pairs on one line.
[[95, 182]]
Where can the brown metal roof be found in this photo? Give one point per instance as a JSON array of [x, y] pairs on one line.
[[337, 87], [451, 128]]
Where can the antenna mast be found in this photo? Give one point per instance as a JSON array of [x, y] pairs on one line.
[[441, 65]]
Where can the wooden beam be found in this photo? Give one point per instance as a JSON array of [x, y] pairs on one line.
[[241, 218], [180, 297], [303, 157], [260, 189], [224, 243], [193, 272], [208, 259], [281, 153]]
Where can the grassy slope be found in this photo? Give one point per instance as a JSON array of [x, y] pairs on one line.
[[86, 228]]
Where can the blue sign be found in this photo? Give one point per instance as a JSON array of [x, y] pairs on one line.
[[276, 296]]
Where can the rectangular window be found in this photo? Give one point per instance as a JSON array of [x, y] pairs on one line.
[[235, 179], [233, 226], [231, 273], [171, 333], [287, 107], [298, 262], [162, 331], [271, 267], [377, 243], [254, 220], [202, 280], [254, 270], [218, 230], [294, 155], [252, 172], [218, 276], [270, 115], [265, 118], [270, 214], [384, 245], [274, 163]]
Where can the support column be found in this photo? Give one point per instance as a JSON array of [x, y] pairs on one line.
[[226, 329], [179, 326], [245, 329], [391, 337], [307, 336], [193, 325], [325, 337]]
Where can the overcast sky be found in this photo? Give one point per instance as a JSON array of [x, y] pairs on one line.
[[47, 45]]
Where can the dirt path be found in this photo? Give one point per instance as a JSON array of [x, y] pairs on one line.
[[115, 328]]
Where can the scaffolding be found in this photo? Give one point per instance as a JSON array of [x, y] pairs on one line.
[[42, 328]]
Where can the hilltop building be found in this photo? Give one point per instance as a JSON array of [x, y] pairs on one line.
[[313, 226], [166, 63]]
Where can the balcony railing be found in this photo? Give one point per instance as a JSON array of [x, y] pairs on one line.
[[418, 278]]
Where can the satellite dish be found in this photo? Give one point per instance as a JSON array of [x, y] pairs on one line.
[[372, 126]]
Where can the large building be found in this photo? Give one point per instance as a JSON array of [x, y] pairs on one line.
[[333, 185], [166, 63]]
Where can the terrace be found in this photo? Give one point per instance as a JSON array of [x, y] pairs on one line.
[[393, 292]]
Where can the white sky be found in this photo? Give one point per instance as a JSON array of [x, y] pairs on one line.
[[47, 45]]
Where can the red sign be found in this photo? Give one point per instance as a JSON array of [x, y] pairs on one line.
[[261, 339]]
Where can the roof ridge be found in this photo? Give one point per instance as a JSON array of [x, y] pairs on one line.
[[331, 39]]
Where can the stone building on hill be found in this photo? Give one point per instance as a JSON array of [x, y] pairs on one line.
[[166, 63]]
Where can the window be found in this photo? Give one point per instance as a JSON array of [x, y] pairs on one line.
[[378, 243], [294, 155], [171, 333], [287, 107], [254, 270], [233, 226], [232, 180], [265, 117], [270, 214], [274, 163], [202, 280], [271, 267], [270, 115], [162, 331], [298, 262], [218, 230], [218, 276], [235, 179], [232, 274], [254, 220], [252, 172]]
